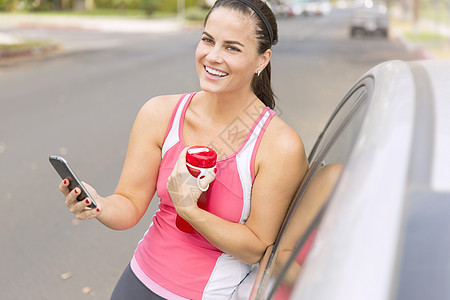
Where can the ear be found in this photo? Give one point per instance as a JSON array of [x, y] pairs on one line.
[[264, 60]]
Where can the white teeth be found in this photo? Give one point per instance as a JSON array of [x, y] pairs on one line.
[[215, 72]]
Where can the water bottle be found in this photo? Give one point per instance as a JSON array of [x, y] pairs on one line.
[[199, 161]]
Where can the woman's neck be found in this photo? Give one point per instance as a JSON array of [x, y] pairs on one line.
[[220, 122], [223, 107]]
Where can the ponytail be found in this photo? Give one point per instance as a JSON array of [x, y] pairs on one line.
[[262, 88]]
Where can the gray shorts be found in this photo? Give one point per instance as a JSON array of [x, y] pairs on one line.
[[129, 287]]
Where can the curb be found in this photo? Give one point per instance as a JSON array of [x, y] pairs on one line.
[[31, 51], [11, 22], [105, 24], [11, 57]]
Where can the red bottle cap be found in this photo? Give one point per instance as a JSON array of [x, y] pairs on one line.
[[201, 157]]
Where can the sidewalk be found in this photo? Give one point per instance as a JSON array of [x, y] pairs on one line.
[[18, 32], [105, 24]]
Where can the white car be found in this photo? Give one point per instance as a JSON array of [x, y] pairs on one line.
[[369, 21], [379, 184], [309, 7], [317, 7]]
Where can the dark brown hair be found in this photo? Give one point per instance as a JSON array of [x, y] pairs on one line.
[[261, 85]]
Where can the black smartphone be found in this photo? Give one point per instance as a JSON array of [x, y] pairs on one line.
[[65, 171]]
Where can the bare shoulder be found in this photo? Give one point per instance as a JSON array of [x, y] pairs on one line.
[[281, 145], [160, 106], [281, 138], [154, 116]]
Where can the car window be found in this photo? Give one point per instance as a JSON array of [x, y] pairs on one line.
[[327, 160], [339, 119]]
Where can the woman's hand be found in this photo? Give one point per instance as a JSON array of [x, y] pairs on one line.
[[183, 188], [80, 209]]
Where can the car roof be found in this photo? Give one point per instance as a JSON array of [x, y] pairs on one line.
[[370, 10]]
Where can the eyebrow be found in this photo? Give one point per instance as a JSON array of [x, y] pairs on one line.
[[227, 42]]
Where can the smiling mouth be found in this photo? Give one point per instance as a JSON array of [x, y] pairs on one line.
[[215, 72]]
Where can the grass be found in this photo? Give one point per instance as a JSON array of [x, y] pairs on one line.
[[98, 12], [439, 13], [426, 37], [127, 13], [191, 13], [22, 46], [26, 48]]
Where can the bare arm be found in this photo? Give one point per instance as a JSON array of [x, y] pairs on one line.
[[137, 183], [280, 168]]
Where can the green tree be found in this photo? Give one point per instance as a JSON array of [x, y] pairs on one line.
[[8, 5], [170, 6]]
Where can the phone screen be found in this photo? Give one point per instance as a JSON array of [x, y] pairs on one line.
[[62, 167]]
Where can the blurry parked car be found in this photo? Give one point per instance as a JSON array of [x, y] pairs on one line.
[[378, 185], [369, 21], [308, 7], [280, 8], [317, 7], [296, 7]]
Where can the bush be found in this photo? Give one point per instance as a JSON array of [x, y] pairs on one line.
[[8, 5], [149, 6], [119, 4], [168, 6], [196, 13]]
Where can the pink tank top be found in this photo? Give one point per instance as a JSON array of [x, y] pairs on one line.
[[186, 264]]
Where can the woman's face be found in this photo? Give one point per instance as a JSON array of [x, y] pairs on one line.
[[226, 56]]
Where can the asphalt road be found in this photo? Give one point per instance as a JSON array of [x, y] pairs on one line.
[[81, 104]]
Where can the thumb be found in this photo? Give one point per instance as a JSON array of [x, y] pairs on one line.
[[90, 189], [93, 194], [205, 179]]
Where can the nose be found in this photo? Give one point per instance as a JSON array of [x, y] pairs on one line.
[[214, 55]]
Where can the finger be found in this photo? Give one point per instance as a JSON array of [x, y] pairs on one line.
[[207, 178], [181, 162], [180, 166], [71, 198], [85, 184], [64, 187], [92, 192], [83, 212], [87, 214], [79, 206]]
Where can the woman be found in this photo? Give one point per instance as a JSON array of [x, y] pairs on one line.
[[261, 163]]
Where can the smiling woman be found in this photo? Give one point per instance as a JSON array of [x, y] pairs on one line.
[[244, 41], [260, 164], [227, 57]]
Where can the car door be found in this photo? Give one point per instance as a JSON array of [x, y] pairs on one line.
[[282, 263]]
